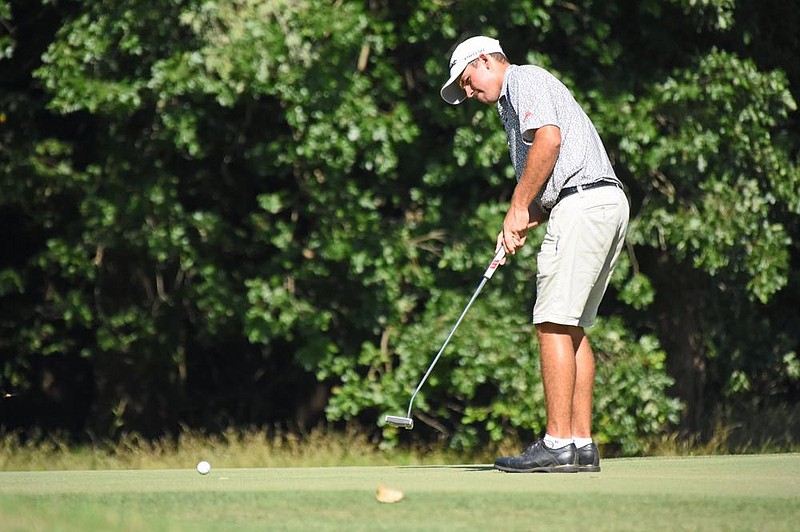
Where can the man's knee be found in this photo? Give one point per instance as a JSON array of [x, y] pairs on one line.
[[549, 332], [557, 328]]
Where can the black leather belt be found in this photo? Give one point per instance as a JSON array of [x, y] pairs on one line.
[[569, 191]]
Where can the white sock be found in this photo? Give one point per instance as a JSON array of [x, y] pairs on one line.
[[581, 442], [556, 443]]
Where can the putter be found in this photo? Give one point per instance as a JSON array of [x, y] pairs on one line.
[[407, 422]]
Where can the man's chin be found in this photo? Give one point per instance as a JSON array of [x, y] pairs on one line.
[[484, 99]]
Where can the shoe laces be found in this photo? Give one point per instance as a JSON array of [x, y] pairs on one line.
[[530, 448]]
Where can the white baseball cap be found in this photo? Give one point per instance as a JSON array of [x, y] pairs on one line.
[[464, 54]]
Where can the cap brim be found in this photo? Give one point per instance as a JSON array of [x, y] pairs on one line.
[[451, 92]]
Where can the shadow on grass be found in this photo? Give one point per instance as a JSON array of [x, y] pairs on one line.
[[475, 467]]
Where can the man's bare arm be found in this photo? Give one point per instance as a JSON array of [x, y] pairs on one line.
[[542, 157]]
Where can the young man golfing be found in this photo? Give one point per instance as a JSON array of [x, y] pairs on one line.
[[564, 177]]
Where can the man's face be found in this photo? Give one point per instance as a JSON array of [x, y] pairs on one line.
[[482, 80]]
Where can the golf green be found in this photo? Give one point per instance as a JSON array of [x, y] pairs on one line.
[[753, 492]]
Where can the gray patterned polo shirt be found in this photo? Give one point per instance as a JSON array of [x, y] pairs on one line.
[[531, 98]]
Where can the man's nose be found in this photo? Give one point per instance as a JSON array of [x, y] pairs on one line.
[[469, 91]]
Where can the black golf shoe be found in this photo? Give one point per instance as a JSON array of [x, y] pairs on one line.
[[588, 459], [538, 458]]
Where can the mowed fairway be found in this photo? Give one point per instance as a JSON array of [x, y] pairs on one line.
[[754, 492]]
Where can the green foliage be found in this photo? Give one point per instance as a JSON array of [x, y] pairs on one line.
[[704, 140], [215, 202], [6, 40], [715, 14], [628, 367], [487, 383]]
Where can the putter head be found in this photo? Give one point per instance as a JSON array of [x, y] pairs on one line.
[[397, 421]]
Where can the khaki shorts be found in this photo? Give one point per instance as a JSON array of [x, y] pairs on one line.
[[585, 234]]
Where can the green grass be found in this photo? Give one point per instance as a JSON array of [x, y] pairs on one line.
[[748, 492]]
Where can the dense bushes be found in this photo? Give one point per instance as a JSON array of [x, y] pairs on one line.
[[210, 206]]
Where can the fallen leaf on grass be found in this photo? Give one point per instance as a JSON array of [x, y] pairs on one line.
[[388, 495]]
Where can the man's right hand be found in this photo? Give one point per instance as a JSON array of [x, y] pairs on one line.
[[500, 241]]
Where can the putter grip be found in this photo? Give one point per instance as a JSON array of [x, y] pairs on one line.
[[495, 263]]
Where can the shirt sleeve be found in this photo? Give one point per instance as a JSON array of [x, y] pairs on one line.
[[533, 101]]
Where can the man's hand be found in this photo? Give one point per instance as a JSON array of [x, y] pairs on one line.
[[515, 229], [534, 218]]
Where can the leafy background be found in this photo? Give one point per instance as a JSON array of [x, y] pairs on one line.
[[229, 213]]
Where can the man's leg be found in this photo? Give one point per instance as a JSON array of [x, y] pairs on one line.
[[568, 377], [557, 344], [555, 453], [584, 387]]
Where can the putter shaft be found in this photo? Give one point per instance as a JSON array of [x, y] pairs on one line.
[[407, 421]]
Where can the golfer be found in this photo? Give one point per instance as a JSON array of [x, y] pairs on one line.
[[564, 177]]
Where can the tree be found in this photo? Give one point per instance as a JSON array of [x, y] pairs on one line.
[[244, 211]]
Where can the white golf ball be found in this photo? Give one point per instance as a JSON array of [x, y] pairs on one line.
[[203, 467]]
